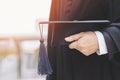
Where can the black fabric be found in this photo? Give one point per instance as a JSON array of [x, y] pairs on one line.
[[114, 32], [116, 10], [70, 64], [112, 37]]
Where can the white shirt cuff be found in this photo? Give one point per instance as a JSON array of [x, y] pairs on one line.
[[102, 45]]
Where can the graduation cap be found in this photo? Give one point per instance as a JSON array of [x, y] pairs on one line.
[[44, 66]]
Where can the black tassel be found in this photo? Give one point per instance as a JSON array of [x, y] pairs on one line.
[[44, 67]]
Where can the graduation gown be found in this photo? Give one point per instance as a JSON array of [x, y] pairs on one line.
[[68, 64]]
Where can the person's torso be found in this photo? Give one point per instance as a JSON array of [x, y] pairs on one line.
[[69, 10]]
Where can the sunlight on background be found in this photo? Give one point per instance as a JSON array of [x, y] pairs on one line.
[[19, 38], [19, 16]]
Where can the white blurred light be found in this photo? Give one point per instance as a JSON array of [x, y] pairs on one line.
[[19, 16]]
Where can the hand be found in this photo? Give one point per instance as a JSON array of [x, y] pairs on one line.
[[85, 42]]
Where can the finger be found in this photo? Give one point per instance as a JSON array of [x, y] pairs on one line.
[[74, 37], [73, 45]]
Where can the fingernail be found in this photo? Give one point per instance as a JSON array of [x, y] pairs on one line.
[[67, 39]]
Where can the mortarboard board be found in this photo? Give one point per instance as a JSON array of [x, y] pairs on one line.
[[44, 66]]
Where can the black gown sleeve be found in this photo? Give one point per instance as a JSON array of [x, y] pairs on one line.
[[112, 39]]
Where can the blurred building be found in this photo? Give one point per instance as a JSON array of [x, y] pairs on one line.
[[19, 38]]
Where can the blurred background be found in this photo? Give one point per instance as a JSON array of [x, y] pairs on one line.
[[19, 38]]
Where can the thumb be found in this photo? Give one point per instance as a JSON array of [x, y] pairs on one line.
[[74, 37]]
